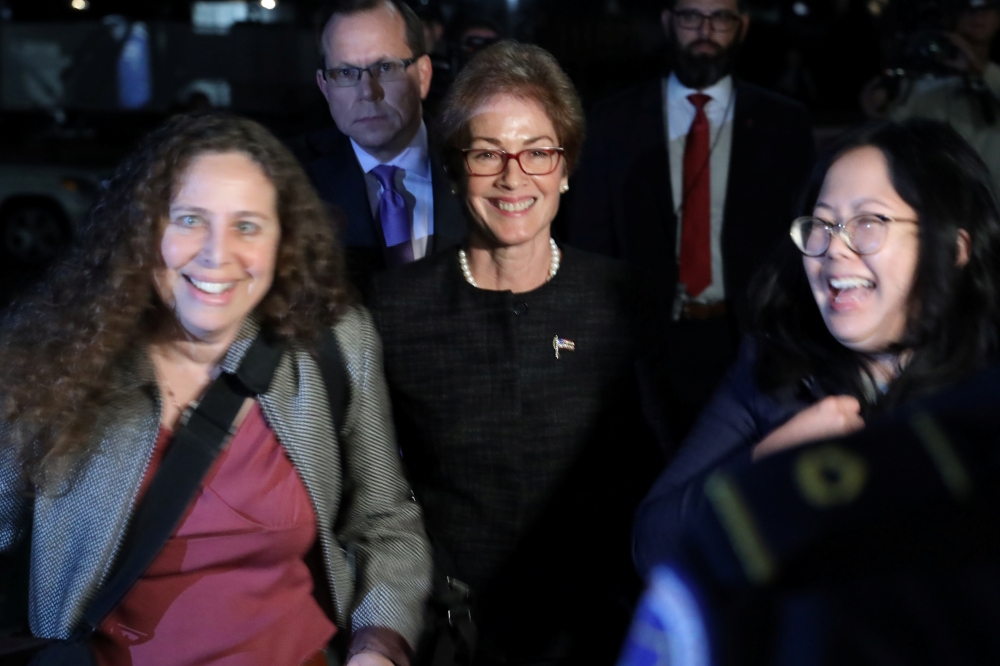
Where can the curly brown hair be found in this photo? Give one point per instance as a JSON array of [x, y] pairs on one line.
[[60, 343]]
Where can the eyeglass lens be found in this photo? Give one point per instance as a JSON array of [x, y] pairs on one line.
[[692, 19], [535, 162], [388, 71], [864, 234]]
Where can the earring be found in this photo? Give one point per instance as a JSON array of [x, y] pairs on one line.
[[564, 188]]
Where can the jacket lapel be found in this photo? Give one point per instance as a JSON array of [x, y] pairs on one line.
[[742, 172], [339, 179], [648, 206], [77, 534], [296, 408], [450, 226], [654, 116], [742, 151]]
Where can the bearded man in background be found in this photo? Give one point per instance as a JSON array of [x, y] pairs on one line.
[[693, 178]]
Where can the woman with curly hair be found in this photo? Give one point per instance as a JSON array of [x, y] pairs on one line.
[[208, 236], [887, 291]]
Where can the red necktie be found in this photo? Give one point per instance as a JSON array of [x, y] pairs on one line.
[[696, 219]]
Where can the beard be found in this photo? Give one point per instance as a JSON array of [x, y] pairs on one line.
[[701, 70]]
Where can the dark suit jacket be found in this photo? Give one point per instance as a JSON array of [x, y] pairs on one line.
[[519, 458], [621, 202], [737, 418], [333, 168], [879, 548]]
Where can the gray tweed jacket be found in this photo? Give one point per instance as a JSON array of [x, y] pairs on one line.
[[382, 583]]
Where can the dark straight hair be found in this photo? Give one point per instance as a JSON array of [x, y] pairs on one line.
[[953, 312]]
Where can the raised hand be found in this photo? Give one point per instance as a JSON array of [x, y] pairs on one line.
[[834, 416]]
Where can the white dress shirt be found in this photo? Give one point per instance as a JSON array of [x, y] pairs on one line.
[[678, 114], [413, 181]]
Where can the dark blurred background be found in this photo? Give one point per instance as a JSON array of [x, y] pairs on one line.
[[80, 80]]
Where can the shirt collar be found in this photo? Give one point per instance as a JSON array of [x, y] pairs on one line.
[[414, 159], [720, 91]]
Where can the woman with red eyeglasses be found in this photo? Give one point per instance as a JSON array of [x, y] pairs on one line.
[[511, 365]]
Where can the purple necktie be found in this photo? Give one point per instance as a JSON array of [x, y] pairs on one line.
[[394, 216]]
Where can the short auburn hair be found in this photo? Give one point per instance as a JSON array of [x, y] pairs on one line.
[[524, 71]]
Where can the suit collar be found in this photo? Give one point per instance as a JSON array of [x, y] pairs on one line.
[[339, 178], [414, 159], [654, 162], [450, 226], [718, 110]]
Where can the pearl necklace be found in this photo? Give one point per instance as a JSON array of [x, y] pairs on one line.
[[463, 262]]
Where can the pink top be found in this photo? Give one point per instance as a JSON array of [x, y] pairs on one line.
[[230, 586]]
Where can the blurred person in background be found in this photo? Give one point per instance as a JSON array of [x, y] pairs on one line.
[[434, 28], [464, 38], [472, 35], [376, 165], [208, 243], [518, 371], [888, 290], [968, 98], [691, 179]]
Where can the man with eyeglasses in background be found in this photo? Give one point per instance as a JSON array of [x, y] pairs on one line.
[[376, 165], [693, 178]]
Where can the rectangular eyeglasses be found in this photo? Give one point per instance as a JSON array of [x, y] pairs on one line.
[[720, 21], [384, 70], [492, 161]]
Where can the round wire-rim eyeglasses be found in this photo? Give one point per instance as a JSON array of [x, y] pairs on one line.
[[863, 234], [479, 163]]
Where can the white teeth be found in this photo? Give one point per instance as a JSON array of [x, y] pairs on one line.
[[515, 207], [212, 287], [851, 283]]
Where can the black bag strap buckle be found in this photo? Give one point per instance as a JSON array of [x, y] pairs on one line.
[[458, 587], [455, 617]]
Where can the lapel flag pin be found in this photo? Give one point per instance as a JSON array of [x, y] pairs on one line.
[[562, 344]]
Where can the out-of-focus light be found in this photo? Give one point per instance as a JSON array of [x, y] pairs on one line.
[[80, 4], [800, 9], [268, 4]]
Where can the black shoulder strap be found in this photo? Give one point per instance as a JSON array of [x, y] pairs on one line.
[[338, 389], [192, 452]]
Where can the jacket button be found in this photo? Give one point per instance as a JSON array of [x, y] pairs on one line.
[[520, 308]]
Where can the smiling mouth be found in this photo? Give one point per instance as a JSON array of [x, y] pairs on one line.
[[210, 287], [514, 207], [846, 288]]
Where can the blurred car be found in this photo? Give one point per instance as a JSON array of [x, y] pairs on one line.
[[40, 205]]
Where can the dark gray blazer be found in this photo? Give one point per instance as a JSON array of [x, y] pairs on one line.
[[77, 535], [333, 168]]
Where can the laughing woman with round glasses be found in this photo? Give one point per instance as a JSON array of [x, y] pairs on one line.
[[512, 367], [889, 290]]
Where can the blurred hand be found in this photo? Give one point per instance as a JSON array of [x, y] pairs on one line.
[[967, 60], [834, 416], [369, 659]]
